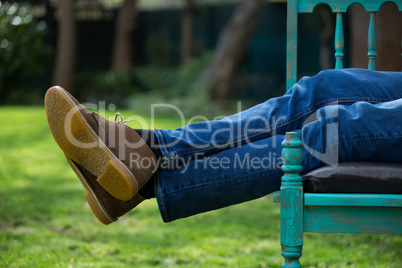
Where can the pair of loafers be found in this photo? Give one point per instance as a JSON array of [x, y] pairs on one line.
[[103, 153]]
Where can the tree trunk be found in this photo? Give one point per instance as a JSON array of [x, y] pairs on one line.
[[123, 43], [389, 33], [187, 31], [231, 48], [65, 53]]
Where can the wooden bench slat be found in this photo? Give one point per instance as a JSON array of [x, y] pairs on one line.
[[374, 220], [372, 41], [350, 200], [339, 41]]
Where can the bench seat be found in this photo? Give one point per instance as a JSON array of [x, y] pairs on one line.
[[355, 177]]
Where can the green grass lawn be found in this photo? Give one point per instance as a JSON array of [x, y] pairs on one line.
[[46, 222]]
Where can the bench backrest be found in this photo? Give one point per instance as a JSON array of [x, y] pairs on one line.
[[339, 7]]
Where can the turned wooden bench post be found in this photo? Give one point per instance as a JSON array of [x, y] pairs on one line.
[[291, 201]]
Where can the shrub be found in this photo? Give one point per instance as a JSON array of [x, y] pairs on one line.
[[181, 87], [105, 85]]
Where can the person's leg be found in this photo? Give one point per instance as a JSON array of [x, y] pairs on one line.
[[359, 132], [105, 148], [278, 115]]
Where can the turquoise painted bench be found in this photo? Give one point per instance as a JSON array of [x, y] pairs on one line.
[[328, 212]]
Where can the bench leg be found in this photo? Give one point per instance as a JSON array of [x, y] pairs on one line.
[[291, 255], [291, 200]]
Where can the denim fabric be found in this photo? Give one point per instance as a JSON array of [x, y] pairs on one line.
[[340, 115]]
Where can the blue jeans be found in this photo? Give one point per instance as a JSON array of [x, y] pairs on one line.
[[340, 115]]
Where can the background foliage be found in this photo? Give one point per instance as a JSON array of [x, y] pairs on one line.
[[23, 52], [157, 48], [181, 87]]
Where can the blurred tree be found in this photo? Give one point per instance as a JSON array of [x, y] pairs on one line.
[[65, 51], [187, 31], [231, 48], [22, 52], [123, 42]]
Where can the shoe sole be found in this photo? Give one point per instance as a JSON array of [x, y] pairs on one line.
[[76, 138], [93, 202]]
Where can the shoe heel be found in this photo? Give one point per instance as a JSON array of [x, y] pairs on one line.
[[118, 182], [97, 210]]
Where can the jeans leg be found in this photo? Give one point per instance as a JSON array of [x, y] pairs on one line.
[[278, 115], [228, 177], [362, 132], [357, 132]]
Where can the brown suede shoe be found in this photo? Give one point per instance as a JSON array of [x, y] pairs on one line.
[[109, 150], [105, 207]]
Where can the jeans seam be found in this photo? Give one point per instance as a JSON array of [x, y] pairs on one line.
[[163, 210]]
